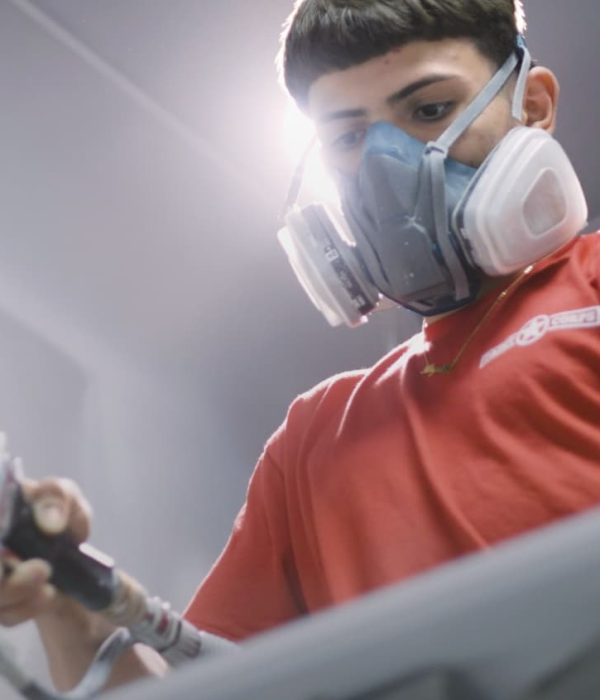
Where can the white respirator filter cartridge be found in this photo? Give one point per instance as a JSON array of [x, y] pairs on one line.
[[524, 202], [327, 266]]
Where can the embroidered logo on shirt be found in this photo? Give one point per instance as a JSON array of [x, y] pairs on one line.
[[536, 328]]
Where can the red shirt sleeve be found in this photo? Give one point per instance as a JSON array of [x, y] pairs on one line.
[[253, 585]]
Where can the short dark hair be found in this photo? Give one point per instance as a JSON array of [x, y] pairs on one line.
[[321, 36]]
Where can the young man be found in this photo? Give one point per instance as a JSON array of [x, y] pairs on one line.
[[476, 430]]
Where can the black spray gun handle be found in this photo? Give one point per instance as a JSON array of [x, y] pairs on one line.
[[90, 577], [78, 570]]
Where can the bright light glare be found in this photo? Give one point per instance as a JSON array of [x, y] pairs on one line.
[[299, 133], [318, 184]]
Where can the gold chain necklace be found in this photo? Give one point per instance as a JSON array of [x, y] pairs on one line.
[[431, 369]]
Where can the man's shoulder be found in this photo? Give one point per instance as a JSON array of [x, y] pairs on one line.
[[583, 254], [586, 246], [324, 405], [589, 243], [340, 387], [580, 255]]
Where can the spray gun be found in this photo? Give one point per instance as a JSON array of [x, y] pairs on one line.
[[89, 576]]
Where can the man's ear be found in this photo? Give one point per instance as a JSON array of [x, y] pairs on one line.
[[541, 99]]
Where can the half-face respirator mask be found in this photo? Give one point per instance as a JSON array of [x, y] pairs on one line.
[[417, 227]]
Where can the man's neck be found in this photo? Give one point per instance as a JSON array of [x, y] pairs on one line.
[[488, 284]]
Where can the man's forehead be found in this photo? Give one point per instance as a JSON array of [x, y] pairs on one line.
[[376, 80]]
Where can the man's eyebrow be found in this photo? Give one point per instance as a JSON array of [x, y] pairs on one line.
[[418, 85], [342, 114], [402, 94]]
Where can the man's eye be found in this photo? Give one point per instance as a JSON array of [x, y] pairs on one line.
[[434, 111], [349, 140]]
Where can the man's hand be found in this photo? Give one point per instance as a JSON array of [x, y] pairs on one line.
[[70, 633], [25, 592]]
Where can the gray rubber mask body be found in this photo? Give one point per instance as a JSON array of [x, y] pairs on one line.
[[390, 209]]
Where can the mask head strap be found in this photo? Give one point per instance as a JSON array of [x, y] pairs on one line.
[[436, 153], [526, 62], [465, 119]]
